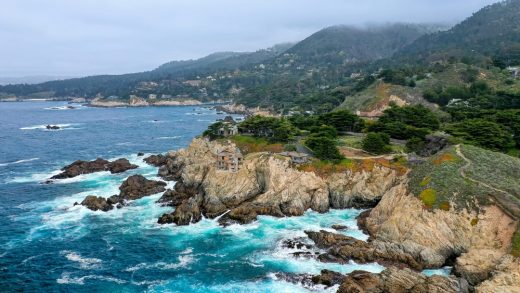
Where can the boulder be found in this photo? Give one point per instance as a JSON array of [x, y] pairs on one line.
[[96, 203], [339, 227], [140, 154], [137, 186], [120, 165], [156, 160]]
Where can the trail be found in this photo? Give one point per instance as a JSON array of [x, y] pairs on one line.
[[507, 202]]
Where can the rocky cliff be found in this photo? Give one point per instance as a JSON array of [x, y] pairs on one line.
[[404, 232], [266, 184]]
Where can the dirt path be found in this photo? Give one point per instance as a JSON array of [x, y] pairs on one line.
[[506, 201]]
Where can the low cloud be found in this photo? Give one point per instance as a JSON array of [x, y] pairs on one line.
[[76, 38]]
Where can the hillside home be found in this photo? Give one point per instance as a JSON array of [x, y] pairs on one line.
[[229, 161], [228, 130]]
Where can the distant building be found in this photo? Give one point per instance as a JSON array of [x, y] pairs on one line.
[[515, 71], [152, 97], [296, 158], [230, 161], [228, 129]]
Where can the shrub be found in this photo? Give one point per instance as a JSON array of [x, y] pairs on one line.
[[324, 148], [428, 197], [376, 143]]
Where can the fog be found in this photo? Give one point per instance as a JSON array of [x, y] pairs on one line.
[[77, 38]]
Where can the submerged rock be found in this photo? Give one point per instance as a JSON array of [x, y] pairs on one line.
[[80, 167], [339, 227], [52, 127]]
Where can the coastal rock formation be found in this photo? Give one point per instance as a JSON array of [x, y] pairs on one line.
[[96, 203], [134, 187], [265, 184], [395, 280], [120, 165], [86, 167], [342, 249], [361, 189], [435, 237], [137, 186]]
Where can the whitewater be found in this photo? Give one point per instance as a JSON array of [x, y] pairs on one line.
[[48, 243]]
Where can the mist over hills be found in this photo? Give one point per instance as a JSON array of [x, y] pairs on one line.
[[319, 71]]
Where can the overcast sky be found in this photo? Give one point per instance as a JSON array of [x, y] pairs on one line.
[[85, 37]]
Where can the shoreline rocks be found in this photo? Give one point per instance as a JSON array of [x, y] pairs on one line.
[[134, 187], [396, 280], [80, 167]]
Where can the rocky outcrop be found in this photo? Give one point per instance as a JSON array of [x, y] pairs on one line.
[[86, 167], [328, 278], [266, 184], [134, 187], [394, 280], [435, 237], [120, 166], [97, 203], [169, 168], [342, 249], [137, 186]]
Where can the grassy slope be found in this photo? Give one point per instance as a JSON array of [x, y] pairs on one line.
[[439, 183], [378, 94]]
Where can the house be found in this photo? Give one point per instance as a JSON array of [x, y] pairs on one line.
[[515, 71], [296, 158], [228, 129], [229, 161]]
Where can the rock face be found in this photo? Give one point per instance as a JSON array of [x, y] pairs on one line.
[[86, 167], [435, 237], [394, 280], [506, 277], [264, 185], [134, 187]]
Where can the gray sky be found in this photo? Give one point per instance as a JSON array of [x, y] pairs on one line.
[[85, 37]]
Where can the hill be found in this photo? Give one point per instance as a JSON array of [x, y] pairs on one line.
[[494, 31], [348, 44]]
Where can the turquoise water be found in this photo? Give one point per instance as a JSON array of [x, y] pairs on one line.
[[47, 244]]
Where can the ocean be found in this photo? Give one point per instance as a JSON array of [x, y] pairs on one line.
[[49, 245]]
